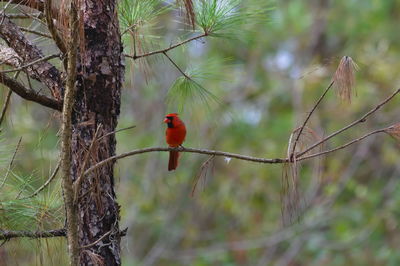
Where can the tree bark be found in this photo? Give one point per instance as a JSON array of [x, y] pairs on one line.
[[99, 81]]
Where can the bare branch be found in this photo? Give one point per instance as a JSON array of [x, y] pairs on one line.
[[29, 94], [5, 106], [24, 16], [343, 146], [6, 235], [31, 63], [7, 101], [175, 65], [356, 122], [191, 150], [134, 57], [116, 131], [36, 32], [308, 117], [28, 52]]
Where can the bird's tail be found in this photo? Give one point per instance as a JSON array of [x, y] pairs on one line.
[[173, 160]]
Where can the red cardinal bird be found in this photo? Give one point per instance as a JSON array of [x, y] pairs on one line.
[[175, 135]]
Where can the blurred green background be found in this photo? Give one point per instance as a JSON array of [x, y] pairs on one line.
[[267, 75]]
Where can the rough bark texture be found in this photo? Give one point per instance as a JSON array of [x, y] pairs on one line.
[[42, 71], [99, 80]]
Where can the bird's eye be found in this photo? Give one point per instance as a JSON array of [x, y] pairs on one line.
[[169, 118]]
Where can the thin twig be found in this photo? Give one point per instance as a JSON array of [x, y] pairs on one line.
[[97, 241], [7, 101], [5, 106], [308, 118], [78, 181], [180, 70], [115, 131], [39, 33], [31, 63], [360, 120], [11, 163], [134, 57], [191, 150], [24, 16], [342, 146], [40, 189], [175, 65], [6, 235]]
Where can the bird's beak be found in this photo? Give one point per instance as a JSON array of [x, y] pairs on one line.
[[166, 120]]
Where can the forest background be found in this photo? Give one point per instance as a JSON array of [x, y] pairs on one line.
[[265, 75]]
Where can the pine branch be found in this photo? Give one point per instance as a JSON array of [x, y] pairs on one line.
[[163, 51], [24, 16], [31, 63], [191, 150], [308, 118], [356, 122], [342, 146], [29, 94], [7, 235], [36, 32]]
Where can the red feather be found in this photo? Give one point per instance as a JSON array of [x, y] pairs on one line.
[[175, 136]]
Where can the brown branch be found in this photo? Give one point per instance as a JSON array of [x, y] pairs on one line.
[[31, 63], [39, 33], [191, 150], [115, 131], [308, 118], [5, 106], [175, 65], [29, 94], [7, 235], [24, 16], [342, 146], [134, 57], [28, 52], [7, 101], [356, 122]]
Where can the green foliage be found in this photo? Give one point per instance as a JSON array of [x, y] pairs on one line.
[[188, 92], [223, 18], [135, 14]]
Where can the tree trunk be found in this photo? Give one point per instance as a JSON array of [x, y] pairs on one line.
[[99, 80]]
